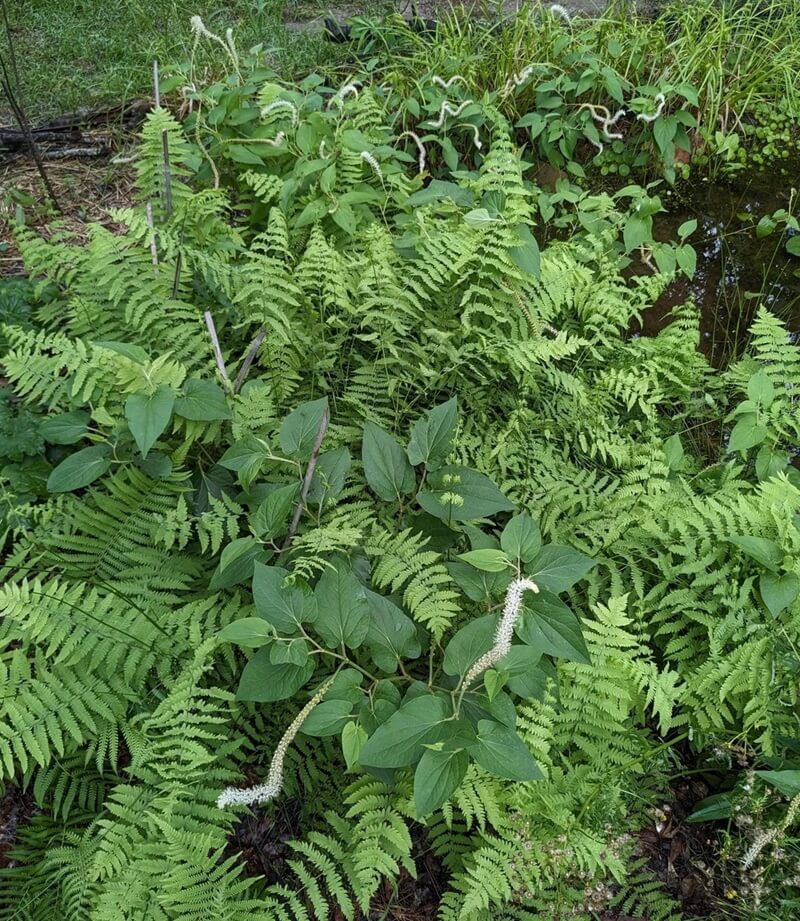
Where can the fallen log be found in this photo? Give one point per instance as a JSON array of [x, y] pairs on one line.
[[69, 130]]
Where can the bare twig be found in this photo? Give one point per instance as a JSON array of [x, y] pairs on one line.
[[167, 172], [148, 210], [301, 502], [156, 87], [11, 87], [66, 153], [212, 332], [249, 358]]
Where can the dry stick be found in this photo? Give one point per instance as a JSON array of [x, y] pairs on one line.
[[212, 332], [301, 502], [18, 108], [165, 147], [148, 210], [22, 120], [249, 358], [156, 87]]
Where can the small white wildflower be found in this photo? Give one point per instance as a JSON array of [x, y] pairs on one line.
[[199, 30], [232, 47], [367, 157], [446, 84], [477, 138], [505, 628], [246, 796], [281, 104], [339, 97], [558, 10], [198, 27], [605, 118], [516, 80], [758, 845], [447, 109], [423, 154], [661, 102]]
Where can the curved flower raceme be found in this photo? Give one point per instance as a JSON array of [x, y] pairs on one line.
[[246, 796], [505, 628]]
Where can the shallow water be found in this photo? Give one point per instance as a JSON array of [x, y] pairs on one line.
[[736, 271]]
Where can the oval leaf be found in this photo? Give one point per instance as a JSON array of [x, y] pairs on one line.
[[148, 416], [249, 631], [386, 466], [80, 469], [436, 778], [501, 751], [263, 681]]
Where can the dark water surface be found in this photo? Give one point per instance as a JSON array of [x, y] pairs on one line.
[[736, 270]]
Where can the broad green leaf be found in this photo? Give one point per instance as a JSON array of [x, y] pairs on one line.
[[249, 631], [449, 153], [556, 568], [551, 627], [746, 434], [526, 255], [330, 475], [202, 401], [687, 259], [236, 562], [712, 808], [761, 549], [299, 430], [664, 133], [462, 494], [479, 217], [343, 608], [156, 465], [263, 681], [80, 469], [379, 705], [778, 592], [476, 706], [148, 415], [786, 782], [294, 651], [432, 435], [501, 751], [399, 741], [760, 389], [386, 466], [241, 154], [346, 686], [436, 778], [521, 665], [284, 606], [246, 457], [327, 718], [673, 452], [469, 644], [638, 231], [135, 352], [487, 560], [65, 428], [353, 739], [271, 518], [493, 681], [769, 462], [521, 538], [437, 190], [793, 245], [478, 585], [391, 634]]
